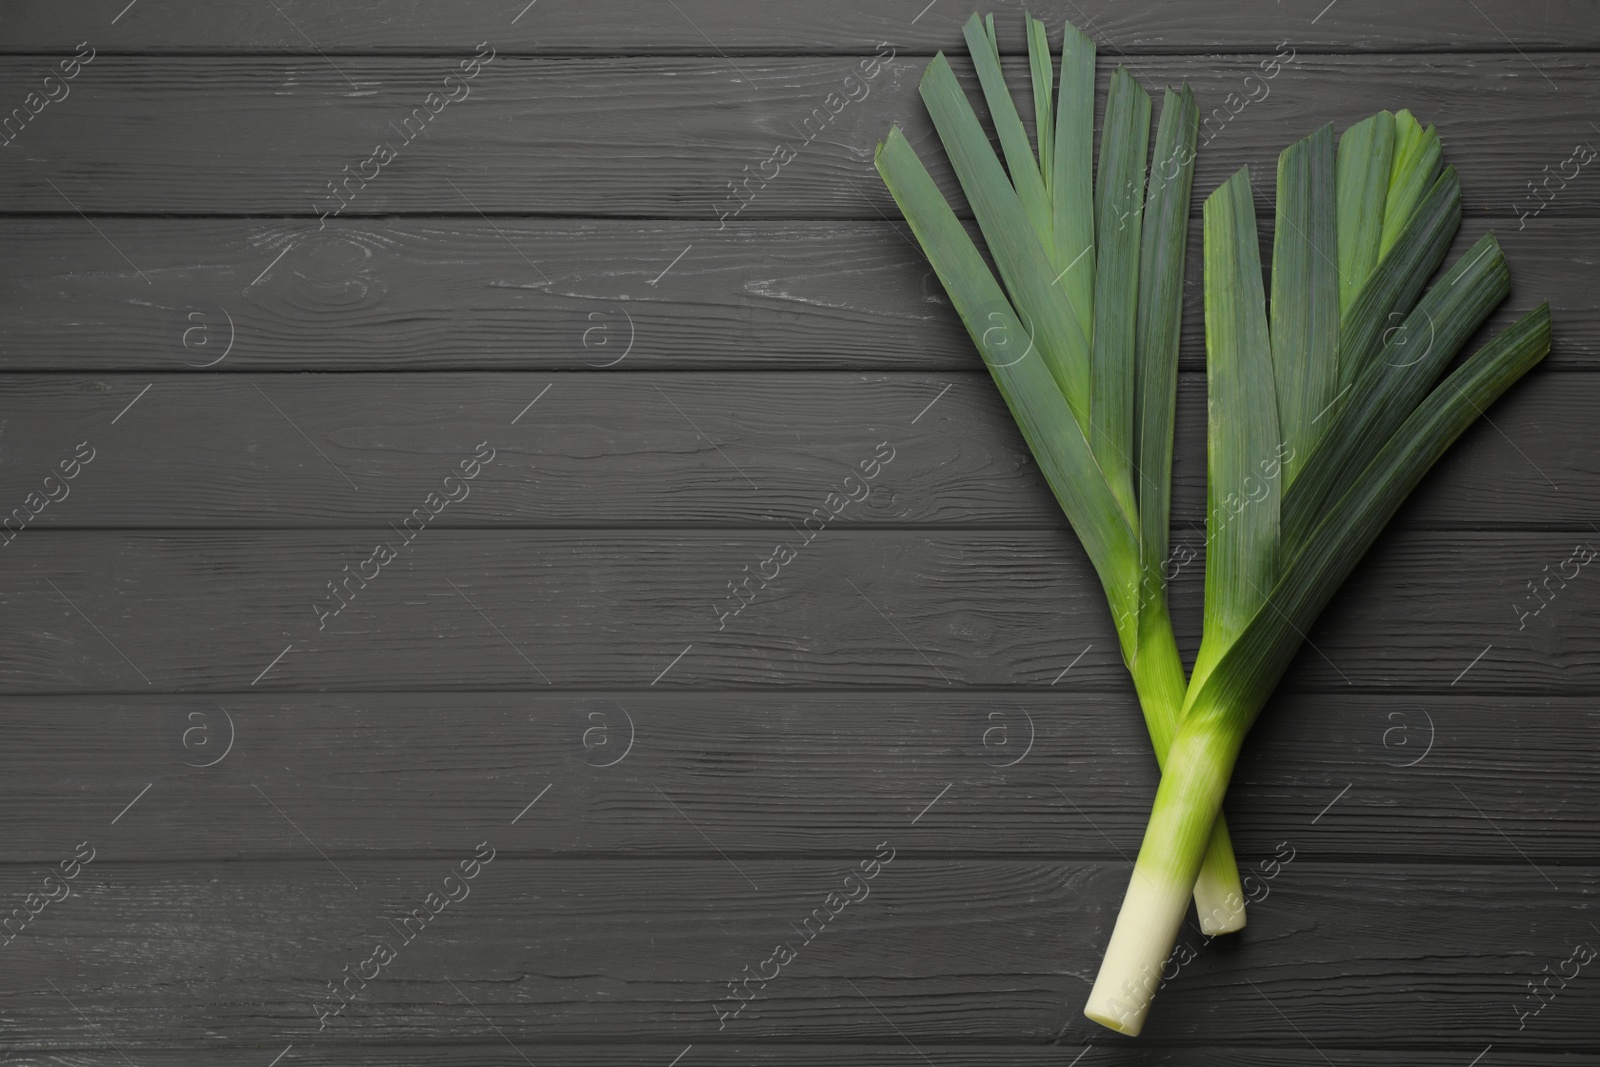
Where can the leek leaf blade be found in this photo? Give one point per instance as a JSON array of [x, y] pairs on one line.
[[1243, 453], [1072, 175], [1305, 295], [1366, 152], [1119, 216], [1398, 280], [1414, 168], [1159, 324], [1413, 356], [1041, 411], [1024, 169], [1041, 69], [1013, 242]]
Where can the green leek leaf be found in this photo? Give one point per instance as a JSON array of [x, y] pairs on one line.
[[1025, 176], [1053, 435], [1400, 276], [1414, 355], [1041, 70], [1305, 294], [1416, 164], [1160, 321], [1119, 216], [1244, 451], [1366, 152], [1012, 240], [1072, 174]]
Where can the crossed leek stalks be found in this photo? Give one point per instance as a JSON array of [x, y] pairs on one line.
[[1325, 408]]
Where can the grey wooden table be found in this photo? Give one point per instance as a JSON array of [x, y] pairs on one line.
[[390, 601]]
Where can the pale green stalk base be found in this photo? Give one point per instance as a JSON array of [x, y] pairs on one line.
[[1199, 764], [1131, 972], [1218, 894], [1158, 677]]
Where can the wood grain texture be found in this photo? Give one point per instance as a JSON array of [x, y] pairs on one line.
[[1429, 756], [196, 611], [941, 950], [1065, 772], [493, 1052], [638, 27], [642, 450], [572, 136], [458, 294]]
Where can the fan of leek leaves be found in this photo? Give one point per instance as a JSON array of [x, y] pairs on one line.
[[1325, 407], [1082, 339]]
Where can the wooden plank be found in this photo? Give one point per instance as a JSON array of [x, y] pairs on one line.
[[193, 954], [196, 611], [611, 922], [457, 293], [743, 1054], [243, 135], [633, 27], [1067, 772], [646, 449]]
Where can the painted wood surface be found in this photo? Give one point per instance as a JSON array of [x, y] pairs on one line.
[[941, 950], [269, 772], [639, 27], [1065, 772], [225, 611], [509, 293], [757, 450], [666, 137]]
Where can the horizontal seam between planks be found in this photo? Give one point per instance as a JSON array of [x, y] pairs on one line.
[[1043, 859], [1216, 51]]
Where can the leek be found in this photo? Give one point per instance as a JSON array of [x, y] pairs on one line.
[[1080, 331], [1333, 413]]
